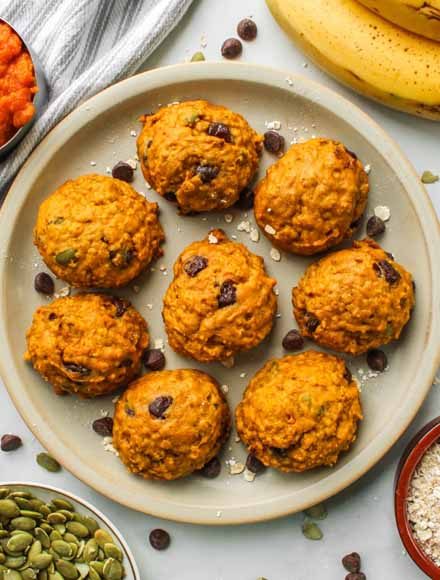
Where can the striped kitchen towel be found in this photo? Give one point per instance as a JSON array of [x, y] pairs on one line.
[[84, 46]]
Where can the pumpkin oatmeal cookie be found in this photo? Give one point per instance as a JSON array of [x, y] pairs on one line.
[[198, 154], [97, 232], [354, 300], [312, 198], [300, 412], [220, 302], [168, 424], [88, 344]]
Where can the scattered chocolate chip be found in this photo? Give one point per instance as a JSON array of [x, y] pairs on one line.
[[311, 322], [121, 306], [170, 196], [228, 294], [207, 172], [10, 442], [273, 142], [231, 48], [352, 562], [44, 284], [293, 340], [377, 360], [375, 226], [279, 451], [126, 363], [385, 270], [195, 265], [347, 375], [254, 464], [159, 539], [247, 29], [158, 407], [221, 131], [103, 426], [153, 359], [246, 199], [212, 469], [356, 576], [78, 369], [52, 316], [354, 225], [123, 171]]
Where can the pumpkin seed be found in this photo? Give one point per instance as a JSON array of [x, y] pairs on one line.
[[55, 576], [42, 575], [15, 562], [102, 537], [4, 491], [20, 542], [68, 537], [29, 574], [112, 551], [41, 561], [91, 550], [8, 508], [31, 514], [312, 531], [77, 529], [47, 462], [23, 523], [429, 177], [90, 523], [56, 518], [112, 570], [83, 569], [12, 575], [2, 557], [66, 256], [42, 536], [67, 569], [93, 574], [25, 494], [197, 57], [62, 548], [63, 504], [317, 512], [23, 503], [35, 550], [98, 567]]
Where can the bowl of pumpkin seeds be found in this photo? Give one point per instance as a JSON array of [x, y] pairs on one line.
[[49, 534]]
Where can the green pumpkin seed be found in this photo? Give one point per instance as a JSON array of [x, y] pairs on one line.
[[60, 528], [98, 567], [63, 504], [15, 562], [29, 574], [317, 512], [35, 550], [55, 535], [197, 56], [429, 177], [24, 494], [31, 514], [47, 462], [55, 576], [68, 537], [43, 575], [20, 542], [42, 537], [312, 531], [90, 523], [4, 491], [103, 537], [91, 550], [112, 570], [23, 503], [83, 569], [36, 504], [67, 569], [8, 508], [67, 514], [12, 575], [2, 558], [62, 548], [56, 518], [41, 561], [77, 529], [93, 574], [112, 551], [66, 256], [23, 523]]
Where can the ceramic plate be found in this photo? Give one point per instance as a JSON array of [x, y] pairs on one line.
[[103, 131]]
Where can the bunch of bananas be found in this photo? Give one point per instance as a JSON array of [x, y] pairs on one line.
[[388, 50]]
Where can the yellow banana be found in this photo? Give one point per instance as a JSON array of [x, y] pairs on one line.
[[366, 52], [415, 15]]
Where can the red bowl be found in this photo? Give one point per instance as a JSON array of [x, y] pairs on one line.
[[411, 457]]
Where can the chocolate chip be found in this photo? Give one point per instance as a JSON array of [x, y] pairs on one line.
[[159, 539], [44, 284], [352, 562], [293, 340], [247, 29], [228, 294], [52, 316], [77, 369], [221, 131], [254, 464], [170, 196], [377, 360], [153, 359], [207, 172], [354, 225], [347, 375], [246, 199], [279, 452], [126, 363], [158, 407], [121, 306], [103, 426], [123, 171], [311, 322], [212, 469], [375, 226], [195, 265], [273, 142], [386, 270], [231, 48], [10, 442], [356, 576]]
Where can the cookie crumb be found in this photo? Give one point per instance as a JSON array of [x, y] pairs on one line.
[[133, 133], [225, 389], [275, 255], [228, 218], [367, 168], [228, 362], [244, 226], [269, 230], [254, 235], [212, 239], [132, 163], [249, 475], [383, 212], [93, 163], [159, 343], [107, 443], [273, 125]]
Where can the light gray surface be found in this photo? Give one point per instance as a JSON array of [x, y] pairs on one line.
[[359, 519]]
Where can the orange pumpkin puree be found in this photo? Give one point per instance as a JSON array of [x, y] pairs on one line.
[[17, 84]]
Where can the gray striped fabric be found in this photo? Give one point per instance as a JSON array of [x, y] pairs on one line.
[[84, 46]]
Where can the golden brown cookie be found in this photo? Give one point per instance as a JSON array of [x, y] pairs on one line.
[[312, 198], [97, 231], [300, 412], [220, 302], [168, 424], [198, 154], [88, 344], [354, 299]]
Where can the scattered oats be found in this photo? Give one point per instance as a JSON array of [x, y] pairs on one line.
[[228, 218], [133, 133], [229, 362], [132, 163], [115, 399], [147, 185], [108, 169], [136, 289], [244, 226], [289, 81], [242, 375], [63, 292], [367, 168], [219, 514], [162, 268], [313, 125], [305, 64], [159, 343], [107, 442], [234, 237], [225, 389], [204, 219], [235, 467], [383, 212], [93, 163], [150, 306], [275, 254], [269, 230], [249, 475], [255, 235], [278, 315], [276, 291], [104, 413], [165, 273], [273, 125], [212, 239], [237, 439]]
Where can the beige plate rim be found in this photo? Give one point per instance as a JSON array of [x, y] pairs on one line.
[[369, 129]]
